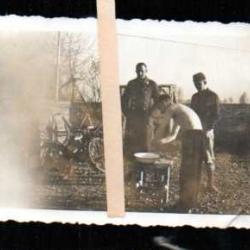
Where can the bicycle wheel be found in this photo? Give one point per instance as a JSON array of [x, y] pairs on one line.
[[96, 153]]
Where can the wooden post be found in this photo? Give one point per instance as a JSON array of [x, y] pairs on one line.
[[111, 107]]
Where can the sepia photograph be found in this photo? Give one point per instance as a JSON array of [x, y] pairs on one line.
[[52, 153], [185, 105]]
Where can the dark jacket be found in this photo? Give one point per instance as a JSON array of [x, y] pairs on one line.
[[139, 96], [206, 104]]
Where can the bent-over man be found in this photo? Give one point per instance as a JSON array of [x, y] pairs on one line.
[[139, 96], [188, 121], [206, 104]]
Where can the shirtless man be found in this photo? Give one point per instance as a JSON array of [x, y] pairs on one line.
[[188, 121]]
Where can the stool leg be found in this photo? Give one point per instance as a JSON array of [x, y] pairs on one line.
[[167, 184], [167, 194], [141, 179]]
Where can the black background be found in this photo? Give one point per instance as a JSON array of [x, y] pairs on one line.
[[199, 10], [65, 236]]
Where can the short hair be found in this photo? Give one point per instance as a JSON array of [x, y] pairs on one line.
[[164, 97], [140, 64], [158, 104], [199, 76]]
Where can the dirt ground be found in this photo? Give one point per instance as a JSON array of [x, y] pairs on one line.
[[83, 190], [232, 180], [47, 188]]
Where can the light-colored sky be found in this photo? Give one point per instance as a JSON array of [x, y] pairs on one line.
[[175, 51], [28, 52], [27, 62]]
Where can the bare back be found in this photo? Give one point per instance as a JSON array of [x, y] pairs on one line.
[[184, 116]]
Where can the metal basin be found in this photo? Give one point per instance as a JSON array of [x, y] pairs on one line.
[[146, 157]]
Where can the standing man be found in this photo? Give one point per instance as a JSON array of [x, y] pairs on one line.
[[187, 120], [206, 104], [139, 96]]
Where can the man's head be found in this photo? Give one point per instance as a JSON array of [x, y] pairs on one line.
[[200, 81], [158, 110], [141, 70], [164, 101]]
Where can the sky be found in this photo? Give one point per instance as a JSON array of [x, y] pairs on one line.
[[28, 52], [175, 51], [28, 63]]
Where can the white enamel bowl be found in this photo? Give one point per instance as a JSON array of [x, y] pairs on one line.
[[146, 157]]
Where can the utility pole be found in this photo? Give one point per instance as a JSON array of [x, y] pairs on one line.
[[58, 65]]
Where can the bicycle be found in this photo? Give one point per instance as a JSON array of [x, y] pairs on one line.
[[76, 144]]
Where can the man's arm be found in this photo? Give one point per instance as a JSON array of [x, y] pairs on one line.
[[173, 134], [193, 103], [156, 92], [214, 113], [151, 134], [125, 100]]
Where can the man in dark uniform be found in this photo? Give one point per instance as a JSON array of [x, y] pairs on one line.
[[206, 104], [139, 96]]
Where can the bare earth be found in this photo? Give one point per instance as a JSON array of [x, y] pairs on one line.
[[85, 189], [48, 189], [232, 180]]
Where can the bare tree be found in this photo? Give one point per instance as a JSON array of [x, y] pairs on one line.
[[230, 100], [243, 98], [78, 77], [93, 81], [79, 68]]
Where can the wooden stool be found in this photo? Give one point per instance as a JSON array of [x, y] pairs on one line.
[[155, 176]]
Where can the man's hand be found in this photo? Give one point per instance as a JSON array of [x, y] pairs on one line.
[[209, 133], [164, 141], [156, 143], [167, 139]]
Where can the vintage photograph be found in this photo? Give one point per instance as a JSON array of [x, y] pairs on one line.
[[52, 153], [185, 116]]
